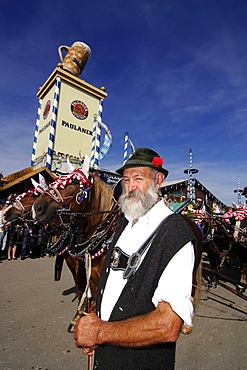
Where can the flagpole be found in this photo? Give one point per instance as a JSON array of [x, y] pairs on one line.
[[191, 171], [238, 191], [126, 143], [94, 162], [53, 123]]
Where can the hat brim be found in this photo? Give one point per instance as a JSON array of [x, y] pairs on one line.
[[136, 163]]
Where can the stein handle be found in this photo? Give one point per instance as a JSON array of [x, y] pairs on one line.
[[60, 51]]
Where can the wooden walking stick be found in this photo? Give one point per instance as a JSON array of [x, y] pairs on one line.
[[88, 266]]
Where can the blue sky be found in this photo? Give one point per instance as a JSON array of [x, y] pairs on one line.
[[175, 72]]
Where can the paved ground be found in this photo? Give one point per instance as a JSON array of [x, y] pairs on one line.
[[35, 312]]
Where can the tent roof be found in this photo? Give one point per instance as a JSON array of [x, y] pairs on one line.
[[17, 177]]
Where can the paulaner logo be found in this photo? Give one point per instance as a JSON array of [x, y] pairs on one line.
[[79, 109], [47, 109]]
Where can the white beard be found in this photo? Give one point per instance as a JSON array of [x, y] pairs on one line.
[[134, 204]]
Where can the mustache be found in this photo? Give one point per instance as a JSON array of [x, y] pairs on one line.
[[133, 193]]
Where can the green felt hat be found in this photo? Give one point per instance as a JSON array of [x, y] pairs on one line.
[[144, 157]]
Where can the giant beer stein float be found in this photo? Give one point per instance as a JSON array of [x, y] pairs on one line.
[[76, 58], [68, 106]]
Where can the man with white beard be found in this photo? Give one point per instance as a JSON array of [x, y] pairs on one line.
[[144, 293]]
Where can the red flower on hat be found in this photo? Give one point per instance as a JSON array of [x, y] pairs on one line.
[[157, 161]]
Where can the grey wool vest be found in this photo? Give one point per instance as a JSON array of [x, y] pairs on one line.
[[136, 299]]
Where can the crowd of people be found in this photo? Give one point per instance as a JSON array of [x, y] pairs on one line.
[[25, 240]]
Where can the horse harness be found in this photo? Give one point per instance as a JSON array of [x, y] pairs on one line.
[[102, 236]]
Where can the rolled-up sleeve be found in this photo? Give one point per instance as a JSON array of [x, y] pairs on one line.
[[175, 284]]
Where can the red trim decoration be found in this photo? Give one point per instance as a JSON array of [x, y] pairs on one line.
[[77, 174], [157, 161], [27, 193], [240, 213]]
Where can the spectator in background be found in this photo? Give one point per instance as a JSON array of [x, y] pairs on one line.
[[12, 241], [35, 240], [227, 217], [1, 226], [25, 241]]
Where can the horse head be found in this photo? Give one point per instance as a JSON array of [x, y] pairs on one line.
[[59, 195], [20, 206]]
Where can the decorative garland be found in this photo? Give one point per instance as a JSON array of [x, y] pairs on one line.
[[27, 193], [240, 213], [62, 181]]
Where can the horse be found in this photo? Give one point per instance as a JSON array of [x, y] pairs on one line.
[[221, 247], [196, 276], [216, 243], [189, 216], [82, 212]]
